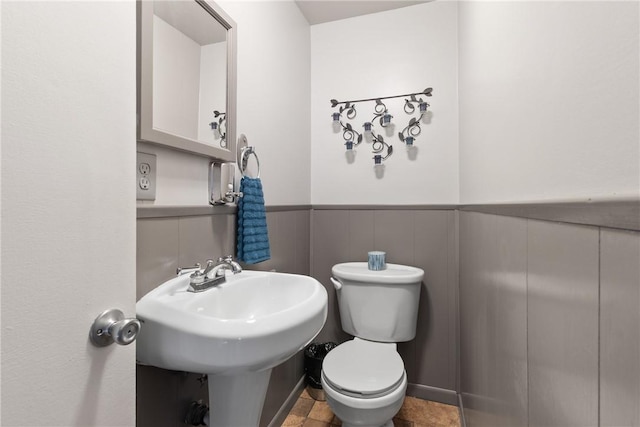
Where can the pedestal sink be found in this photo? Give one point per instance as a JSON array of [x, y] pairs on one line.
[[235, 332]]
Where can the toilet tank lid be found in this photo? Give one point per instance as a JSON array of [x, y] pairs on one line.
[[394, 273]]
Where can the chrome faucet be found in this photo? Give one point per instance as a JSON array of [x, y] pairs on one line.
[[213, 274]]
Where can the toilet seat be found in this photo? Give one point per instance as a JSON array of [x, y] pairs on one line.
[[364, 369]]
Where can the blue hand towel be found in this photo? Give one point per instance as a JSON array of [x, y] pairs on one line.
[[253, 238]]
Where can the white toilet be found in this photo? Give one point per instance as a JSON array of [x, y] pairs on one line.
[[364, 379]]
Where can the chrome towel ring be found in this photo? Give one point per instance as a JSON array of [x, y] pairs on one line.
[[245, 153]]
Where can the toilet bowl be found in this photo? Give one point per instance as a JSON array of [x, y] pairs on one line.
[[364, 379], [364, 382]]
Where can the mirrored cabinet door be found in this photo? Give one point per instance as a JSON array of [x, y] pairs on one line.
[[186, 77]]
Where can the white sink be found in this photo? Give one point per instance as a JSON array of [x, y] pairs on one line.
[[235, 332]]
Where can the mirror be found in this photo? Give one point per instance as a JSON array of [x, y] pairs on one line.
[[186, 77]]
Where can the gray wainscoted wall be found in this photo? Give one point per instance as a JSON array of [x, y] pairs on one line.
[[422, 237], [550, 314], [171, 237]]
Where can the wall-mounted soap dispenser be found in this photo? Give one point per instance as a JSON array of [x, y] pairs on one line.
[[221, 183]]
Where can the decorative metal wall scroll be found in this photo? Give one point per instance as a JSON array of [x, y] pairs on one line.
[[414, 105], [220, 126]]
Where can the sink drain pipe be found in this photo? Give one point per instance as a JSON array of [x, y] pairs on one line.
[[197, 414]]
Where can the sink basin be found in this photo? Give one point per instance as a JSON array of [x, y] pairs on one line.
[[254, 321], [235, 332]]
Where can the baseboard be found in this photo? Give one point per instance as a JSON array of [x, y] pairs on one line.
[[282, 413], [433, 393], [463, 421]]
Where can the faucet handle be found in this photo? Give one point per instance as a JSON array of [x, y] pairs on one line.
[[227, 258], [184, 270], [209, 267], [200, 276]]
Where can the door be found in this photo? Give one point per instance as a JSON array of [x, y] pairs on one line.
[[68, 210]]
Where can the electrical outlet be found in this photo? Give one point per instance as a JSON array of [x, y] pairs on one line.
[[144, 183], [146, 176], [144, 168]]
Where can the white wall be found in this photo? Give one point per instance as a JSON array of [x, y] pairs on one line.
[[548, 92], [389, 53], [189, 83], [68, 210], [548, 100], [176, 81], [273, 108], [0, 222], [181, 178], [213, 88]]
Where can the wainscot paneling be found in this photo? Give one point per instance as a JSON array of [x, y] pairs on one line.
[[550, 314], [493, 313], [619, 328], [562, 300]]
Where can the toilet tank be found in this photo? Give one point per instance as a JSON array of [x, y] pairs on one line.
[[378, 305]]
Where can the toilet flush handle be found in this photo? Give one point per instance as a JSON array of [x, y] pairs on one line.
[[336, 283]]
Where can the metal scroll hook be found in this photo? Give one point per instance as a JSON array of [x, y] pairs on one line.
[[111, 326]]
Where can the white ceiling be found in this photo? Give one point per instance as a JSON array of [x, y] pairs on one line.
[[319, 11]]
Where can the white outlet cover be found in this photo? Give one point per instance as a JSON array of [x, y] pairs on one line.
[[145, 176]]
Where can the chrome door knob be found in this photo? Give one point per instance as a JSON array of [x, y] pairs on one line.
[[111, 326], [124, 331]]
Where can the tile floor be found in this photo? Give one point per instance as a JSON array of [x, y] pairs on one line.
[[414, 413]]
